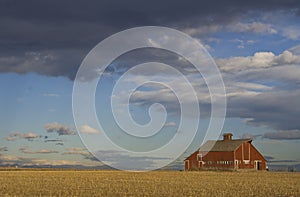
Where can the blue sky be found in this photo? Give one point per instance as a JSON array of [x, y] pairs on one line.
[[256, 47]]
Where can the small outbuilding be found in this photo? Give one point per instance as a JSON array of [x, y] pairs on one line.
[[226, 154]]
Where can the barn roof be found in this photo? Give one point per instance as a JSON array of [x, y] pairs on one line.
[[222, 145]]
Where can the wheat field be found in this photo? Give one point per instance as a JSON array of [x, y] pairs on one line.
[[158, 183]]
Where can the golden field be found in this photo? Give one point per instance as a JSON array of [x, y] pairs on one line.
[[158, 183]]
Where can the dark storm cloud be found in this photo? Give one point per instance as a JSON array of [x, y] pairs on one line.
[[283, 135], [268, 158], [270, 108], [57, 28], [249, 135], [283, 161], [49, 63], [125, 13], [52, 37]]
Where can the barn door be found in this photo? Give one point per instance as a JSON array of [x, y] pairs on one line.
[[187, 165], [257, 165], [236, 164]]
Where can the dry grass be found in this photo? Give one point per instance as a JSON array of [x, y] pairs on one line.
[[160, 183]]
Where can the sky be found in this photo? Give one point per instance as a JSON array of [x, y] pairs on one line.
[[255, 45]]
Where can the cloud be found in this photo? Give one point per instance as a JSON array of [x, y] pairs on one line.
[[48, 63], [234, 26], [80, 151], [88, 130], [283, 161], [255, 27], [283, 135], [76, 151], [259, 86], [51, 95], [17, 135], [260, 60], [45, 151], [59, 129], [268, 158], [202, 30], [26, 150], [292, 32], [122, 160], [267, 109], [53, 140], [3, 149], [243, 43], [11, 160], [257, 90], [170, 124], [271, 159], [249, 135], [37, 48]]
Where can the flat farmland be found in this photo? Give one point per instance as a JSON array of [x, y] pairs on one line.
[[158, 183]]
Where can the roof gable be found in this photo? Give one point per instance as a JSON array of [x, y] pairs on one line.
[[222, 145]]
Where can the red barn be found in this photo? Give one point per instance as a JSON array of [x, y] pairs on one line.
[[226, 154]]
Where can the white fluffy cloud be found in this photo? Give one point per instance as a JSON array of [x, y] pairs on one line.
[[88, 130], [259, 60]]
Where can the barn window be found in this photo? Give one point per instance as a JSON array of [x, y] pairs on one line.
[[199, 157], [246, 161]]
